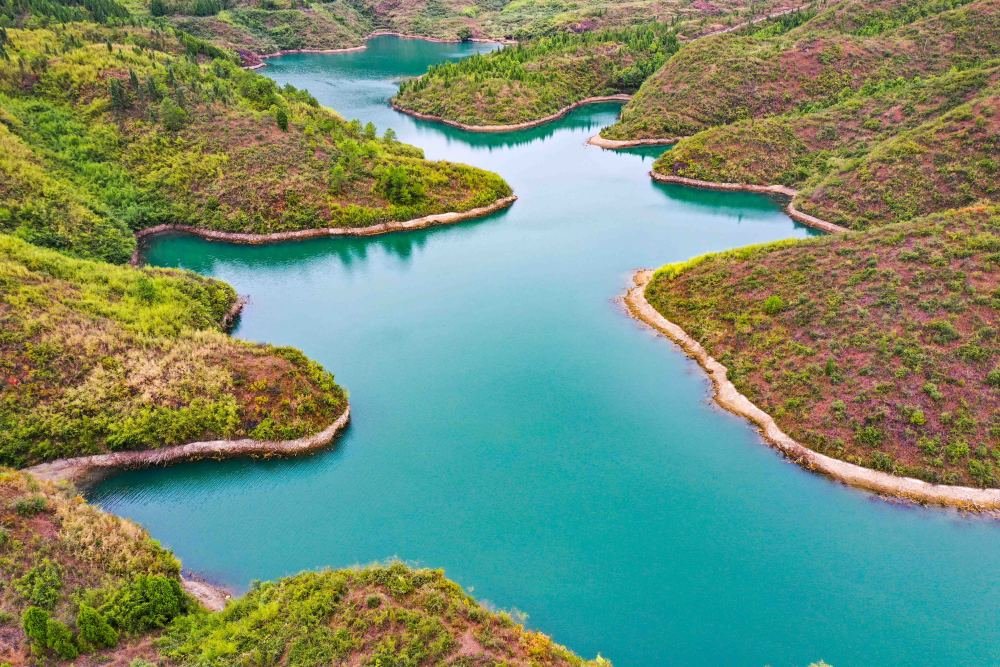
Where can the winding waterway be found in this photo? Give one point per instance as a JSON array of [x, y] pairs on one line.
[[512, 425]]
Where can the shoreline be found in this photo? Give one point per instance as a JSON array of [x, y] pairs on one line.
[[262, 57], [431, 220], [211, 596], [514, 127], [773, 190], [614, 144], [84, 471], [726, 395]]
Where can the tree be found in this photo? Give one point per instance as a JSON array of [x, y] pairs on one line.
[[398, 186], [4, 41], [281, 117], [465, 33], [119, 96], [173, 115], [158, 8]]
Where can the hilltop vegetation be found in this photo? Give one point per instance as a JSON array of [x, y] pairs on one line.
[[728, 78], [125, 127], [524, 83], [891, 359], [99, 358], [891, 152], [257, 27], [91, 588]]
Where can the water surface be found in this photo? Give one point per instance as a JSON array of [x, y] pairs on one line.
[[513, 426]]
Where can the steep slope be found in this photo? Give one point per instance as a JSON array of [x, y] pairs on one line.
[[728, 78], [879, 348]]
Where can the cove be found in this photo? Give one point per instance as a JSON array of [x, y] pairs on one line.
[[513, 426]]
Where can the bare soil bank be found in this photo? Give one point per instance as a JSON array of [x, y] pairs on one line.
[[516, 126], [776, 190], [302, 234], [85, 470]]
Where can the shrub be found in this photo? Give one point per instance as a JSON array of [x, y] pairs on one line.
[[281, 117], [774, 304], [146, 602], [29, 507], [35, 620], [95, 629], [172, 115], [993, 377], [41, 584], [59, 639]]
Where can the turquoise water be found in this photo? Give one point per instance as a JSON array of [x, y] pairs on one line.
[[512, 425]]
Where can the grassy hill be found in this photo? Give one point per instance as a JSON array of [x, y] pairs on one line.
[[128, 127], [733, 77], [89, 588], [890, 152], [524, 83], [890, 360], [99, 358]]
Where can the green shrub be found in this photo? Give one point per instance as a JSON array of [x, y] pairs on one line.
[[993, 377], [41, 584], [35, 620], [145, 603], [59, 639], [172, 115], [94, 628], [29, 507], [774, 304]]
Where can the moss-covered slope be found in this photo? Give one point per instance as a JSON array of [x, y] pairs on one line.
[[126, 128], [731, 77], [880, 348], [98, 358]]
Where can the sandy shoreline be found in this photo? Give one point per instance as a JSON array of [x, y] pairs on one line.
[[84, 471], [726, 394], [515, 126], [776, 190], [614, 144], [211, 596], [431, 220]]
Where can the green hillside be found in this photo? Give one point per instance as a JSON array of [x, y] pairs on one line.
[[129, 127], [879, 348], [728, 78], [525, 83]]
